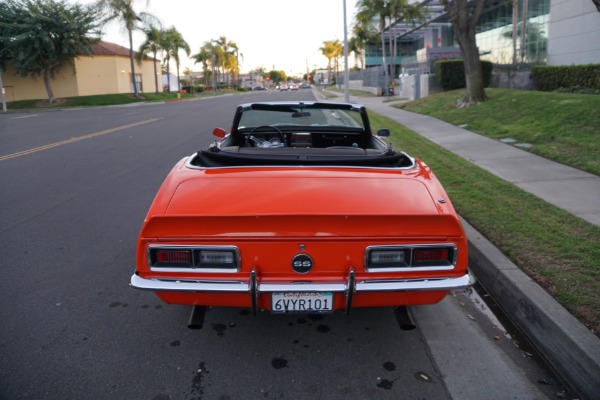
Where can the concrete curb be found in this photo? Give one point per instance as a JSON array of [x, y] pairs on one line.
[[569, 347]]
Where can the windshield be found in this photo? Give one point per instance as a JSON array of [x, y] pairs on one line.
[[290, 116]]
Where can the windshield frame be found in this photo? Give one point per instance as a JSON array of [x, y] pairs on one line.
[[299, 115]]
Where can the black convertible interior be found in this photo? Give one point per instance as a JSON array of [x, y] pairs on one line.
[[301, 133]]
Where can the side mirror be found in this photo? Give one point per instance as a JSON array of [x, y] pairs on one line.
[[219, 132], [383, 132]]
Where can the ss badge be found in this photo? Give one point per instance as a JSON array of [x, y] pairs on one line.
[[302, 263]]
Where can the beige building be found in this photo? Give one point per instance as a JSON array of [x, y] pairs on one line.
[[106, 71]]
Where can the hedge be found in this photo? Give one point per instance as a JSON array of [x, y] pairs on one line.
[[451, 73], [568, 77]]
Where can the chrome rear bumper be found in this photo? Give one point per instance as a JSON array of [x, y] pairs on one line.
[[254, 287]]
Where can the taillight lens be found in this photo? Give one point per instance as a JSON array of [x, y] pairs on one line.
[[430, 255], [200, 258], [398, 258], [171, 258]]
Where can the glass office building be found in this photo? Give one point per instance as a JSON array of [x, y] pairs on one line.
[[503, 36]]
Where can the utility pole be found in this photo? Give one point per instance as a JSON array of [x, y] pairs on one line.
[[346, 73]]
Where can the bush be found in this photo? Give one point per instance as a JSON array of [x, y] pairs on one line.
[[451, 73], [572, 78]]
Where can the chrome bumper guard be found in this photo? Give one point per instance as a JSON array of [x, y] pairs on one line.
[[253, 287]]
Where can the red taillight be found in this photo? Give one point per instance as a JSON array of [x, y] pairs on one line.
[[430, 255], [174, 256]]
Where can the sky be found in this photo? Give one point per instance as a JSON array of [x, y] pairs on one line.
[[274, 34]]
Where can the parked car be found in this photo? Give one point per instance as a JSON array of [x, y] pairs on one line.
[[304, 85], [300, 208], [260, 88]]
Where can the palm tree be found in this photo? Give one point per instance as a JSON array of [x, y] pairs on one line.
[[364, 33], [367, 10], [228, 56], [204, 56], [152, 44], [401, 10], [123, 10], [174, 42], [338, 53], [190, 73], [329, 50], [354, 46]]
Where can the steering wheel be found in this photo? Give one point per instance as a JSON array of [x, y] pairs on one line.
[[260, 142]]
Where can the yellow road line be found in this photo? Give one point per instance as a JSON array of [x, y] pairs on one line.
[[76, 139]]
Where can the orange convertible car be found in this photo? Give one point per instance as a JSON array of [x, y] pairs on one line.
[[300, 208]]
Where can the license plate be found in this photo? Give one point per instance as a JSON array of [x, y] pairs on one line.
[[302, 302]]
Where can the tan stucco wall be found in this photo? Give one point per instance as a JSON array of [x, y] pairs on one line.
[[110, 74], [94, 75], [64, 84], [147, 69]]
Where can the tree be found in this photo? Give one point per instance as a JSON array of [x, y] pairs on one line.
[[123, 11], [339, 52], [152, 44], [355, 46], [401, 10], [464, 20], [363, 34], [38, 37], [367, 10], [329, 50], [173, 43], [204, 56], [392, 11], [277, 76], [228, 58]]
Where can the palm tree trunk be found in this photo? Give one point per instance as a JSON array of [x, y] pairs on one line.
[[155, 74], [515, 22], [168, 75], [384, 61], [135, 89]]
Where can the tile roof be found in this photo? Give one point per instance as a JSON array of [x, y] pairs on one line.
[[103, 48]]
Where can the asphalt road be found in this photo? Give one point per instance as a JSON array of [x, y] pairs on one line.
[[76, 185]]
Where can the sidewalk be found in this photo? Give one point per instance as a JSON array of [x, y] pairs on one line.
[[574, 191], [571, 349]]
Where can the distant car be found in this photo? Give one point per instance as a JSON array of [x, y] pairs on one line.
[[260, 88], [304, 85], [293, 86], [283, 87], [299, 208]]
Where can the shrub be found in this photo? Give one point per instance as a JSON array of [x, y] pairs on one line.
[[451, 73], [573, 78]]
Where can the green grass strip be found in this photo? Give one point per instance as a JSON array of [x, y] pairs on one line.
[[94, 101], [563, 127], [558, 250]]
